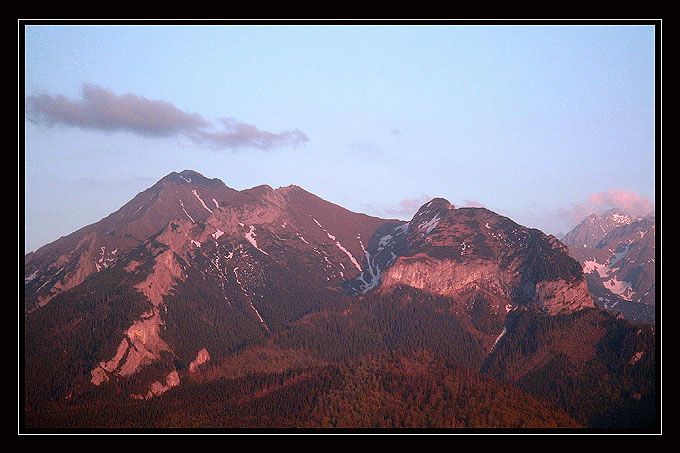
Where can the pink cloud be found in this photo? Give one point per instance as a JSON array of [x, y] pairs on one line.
[[407, 207], [472, 203], [628, 202]]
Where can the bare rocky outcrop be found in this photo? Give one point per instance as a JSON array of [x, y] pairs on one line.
[[202, 357], [560, 296], [450, 278], [142, 343], [449, 251], [157, 388], [446, 277]]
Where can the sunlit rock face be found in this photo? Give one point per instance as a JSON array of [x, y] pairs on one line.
[[453, 251], [560, 296], [446, 277]]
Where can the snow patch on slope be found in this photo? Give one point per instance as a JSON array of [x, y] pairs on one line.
[[201, 201], [351, 257], [185, 211], [374, 275], [250, 237], [382, 258], [498, 338], [250, 302], [427, 227], [591, 266], [339, 245]]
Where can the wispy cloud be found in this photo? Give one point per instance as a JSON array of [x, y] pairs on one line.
[[407, 208], [236, 134], [117, 182], [102, 109], [628, 202], [404, 209], [472, 203]]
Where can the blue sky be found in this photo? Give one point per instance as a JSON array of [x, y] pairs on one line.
[[529, 121]]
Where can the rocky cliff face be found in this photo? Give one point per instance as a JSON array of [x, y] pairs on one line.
[[454, 252]]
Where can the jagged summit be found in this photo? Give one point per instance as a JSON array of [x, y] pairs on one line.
[[595, 227], [189, 177], [613, 211], [258, 190], [618, 259], [433, 206], [429, 215]]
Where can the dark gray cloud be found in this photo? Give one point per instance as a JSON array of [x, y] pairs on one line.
[[102, 109]]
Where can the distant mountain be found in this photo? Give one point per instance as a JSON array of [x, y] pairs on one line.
[[618, 256], [171, 295], [594, 228]]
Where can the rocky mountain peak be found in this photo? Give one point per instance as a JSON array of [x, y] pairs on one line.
[[428, 216], [184, 177], [595, 227], [66, 263], [617, 217], [618, 259], [463, 253], [189, 177], [433, 207]]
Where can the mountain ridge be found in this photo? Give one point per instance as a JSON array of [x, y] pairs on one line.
[[308, 281], [618, 262], [94, 246]]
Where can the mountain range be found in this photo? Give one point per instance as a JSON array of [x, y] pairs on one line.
[[196, 304], [618, 256]]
